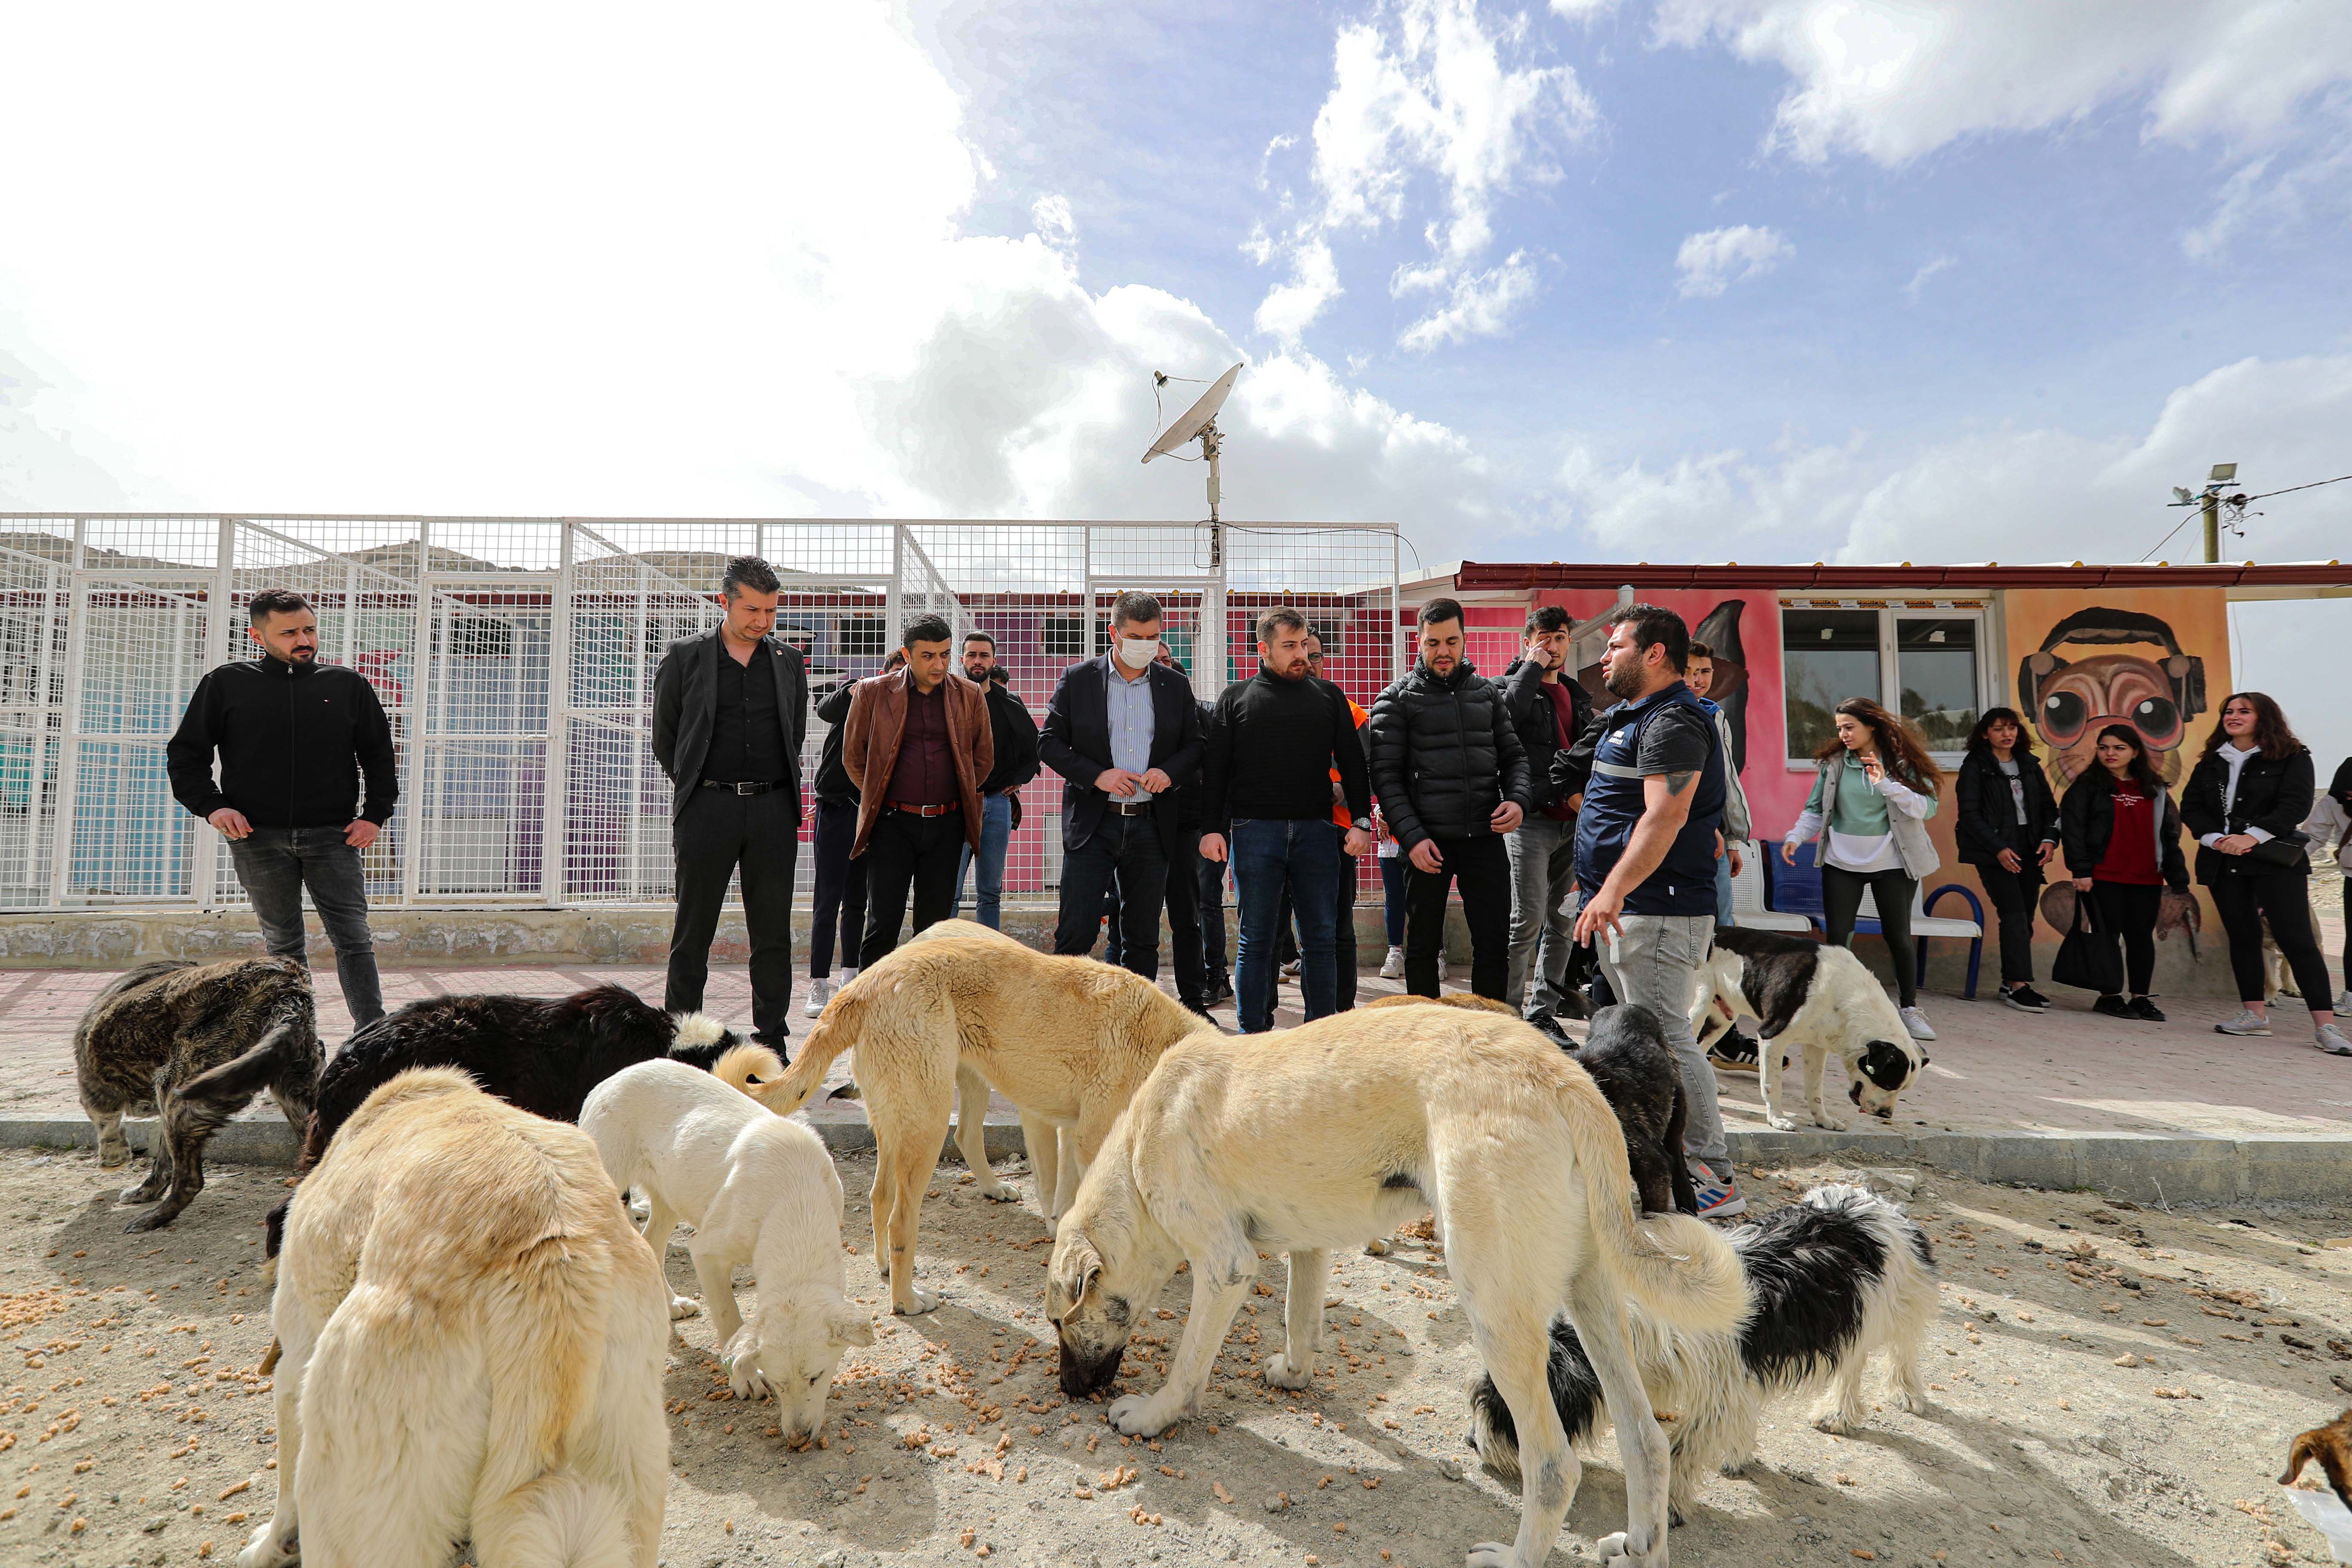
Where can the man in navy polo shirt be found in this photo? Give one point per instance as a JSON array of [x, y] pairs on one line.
[[1646, 859]]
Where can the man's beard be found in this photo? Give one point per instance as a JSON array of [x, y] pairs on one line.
[[1623, 681], [975, 675], [302, 656]]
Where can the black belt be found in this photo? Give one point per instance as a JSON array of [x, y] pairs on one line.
[[1131, 808], [742, 789]]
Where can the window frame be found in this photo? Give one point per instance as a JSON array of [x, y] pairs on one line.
[[1890, 610]]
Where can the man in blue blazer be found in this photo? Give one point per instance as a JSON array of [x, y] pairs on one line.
[[1120, 731]]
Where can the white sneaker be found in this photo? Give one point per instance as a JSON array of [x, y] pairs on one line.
[[1290, 971], [1392, 968], [848, 974], [2343, 1002], [819, 993], [2330, 1038], [1916, 1023], [2247, 1022]]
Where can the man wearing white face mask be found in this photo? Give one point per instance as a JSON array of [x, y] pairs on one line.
[[1120, 731]]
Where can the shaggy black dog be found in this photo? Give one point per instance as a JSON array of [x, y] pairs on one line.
[[1630, 1061], [540, 1055], [191, 1045]]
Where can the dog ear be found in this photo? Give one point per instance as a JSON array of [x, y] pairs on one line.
[[851, 1328], [1076, 1266]]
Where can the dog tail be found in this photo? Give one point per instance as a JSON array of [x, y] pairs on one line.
[[559, 1520], [241, 1078], [749, 1068], [1677, 1268], [835, 1033]]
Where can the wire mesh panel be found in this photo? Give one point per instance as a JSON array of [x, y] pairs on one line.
[[515, 657]]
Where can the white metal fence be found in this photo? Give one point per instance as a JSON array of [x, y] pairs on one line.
[[516, 660]]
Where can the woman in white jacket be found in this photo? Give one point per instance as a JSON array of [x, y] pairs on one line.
[[1870, 805]]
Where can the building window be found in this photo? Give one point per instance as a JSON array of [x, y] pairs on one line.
[[1827, 656], [1062, 637], [1920, 663]]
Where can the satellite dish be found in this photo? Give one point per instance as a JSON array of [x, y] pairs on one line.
[[1200, 422]]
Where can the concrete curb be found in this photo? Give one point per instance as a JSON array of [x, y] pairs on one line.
[[2146, 1167]]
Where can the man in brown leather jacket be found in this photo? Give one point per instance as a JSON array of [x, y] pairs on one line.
[[918, 743]]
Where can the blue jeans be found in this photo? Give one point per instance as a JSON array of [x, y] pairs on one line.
[[1304, 857], [1393, 870], [276, 864], [995, 838]]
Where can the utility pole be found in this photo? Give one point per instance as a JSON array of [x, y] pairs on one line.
[[2222, 474]]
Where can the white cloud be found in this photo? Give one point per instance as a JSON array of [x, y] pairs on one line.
[[1711, 262], [473, 285], [1894, 79], [1928, 270], [1290, 309], [1432, 92], [1480, 305]]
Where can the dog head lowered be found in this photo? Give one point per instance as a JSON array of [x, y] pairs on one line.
[[1110, 1260], [791, 1348], [1881, 1073]]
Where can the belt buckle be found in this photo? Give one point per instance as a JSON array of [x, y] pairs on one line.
[[742, 789]]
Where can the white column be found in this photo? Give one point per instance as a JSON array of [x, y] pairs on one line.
[[68, 776], [555, 809]]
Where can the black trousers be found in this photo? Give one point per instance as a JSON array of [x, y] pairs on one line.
[[1481, 867], [1841, 903], [719, 833], [2284, 899], [1127, 848], [1184, 935], [2012, 894], [906, 852], [2128, 909], [840, 888], [1209, 878]]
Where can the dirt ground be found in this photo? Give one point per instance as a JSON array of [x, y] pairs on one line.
[[2111, 1386]]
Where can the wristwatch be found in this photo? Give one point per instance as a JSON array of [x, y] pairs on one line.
[[1363, 825]]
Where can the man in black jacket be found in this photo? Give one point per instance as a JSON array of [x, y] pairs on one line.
[[1550, 710], [295, 737], [1453, 780], [1266, 805], [1000, 792], [1196, 973], [1121, 729], [731, 707]]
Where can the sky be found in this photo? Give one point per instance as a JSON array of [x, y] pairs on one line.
[[1691, 280]]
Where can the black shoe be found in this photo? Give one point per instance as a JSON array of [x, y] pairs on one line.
[[1735, 1052], [2141, 1008], [2024, 998], [2112, 1007], [1221, 989], [1194, 1004]]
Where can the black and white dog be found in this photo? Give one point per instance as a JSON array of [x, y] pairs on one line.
[[538, 1054], [1835, 1276], [1817, 997]]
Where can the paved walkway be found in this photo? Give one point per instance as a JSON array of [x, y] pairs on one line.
[[1993, 1069]]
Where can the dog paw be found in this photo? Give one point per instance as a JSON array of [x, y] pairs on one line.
[[998, 1192], [1492, 1555], [1782, 1123], [916, 1305], [747, 1382], [263, 1550], [682, 1307], [1133, 1416], [1914, 1402], [1280, 1373], [1834, 1123], [145, 1193], [1377, 1247], [153, 1219], [1833, 1421], [113, 1157]]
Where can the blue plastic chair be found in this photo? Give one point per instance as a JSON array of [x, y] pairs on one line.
[[1797, 890]]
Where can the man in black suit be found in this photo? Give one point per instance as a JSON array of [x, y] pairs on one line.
[[1121, 729], [731, 707]]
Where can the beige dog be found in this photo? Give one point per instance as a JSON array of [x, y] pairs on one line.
[[1308, 1139], [1066, 1040], [473, 1335]]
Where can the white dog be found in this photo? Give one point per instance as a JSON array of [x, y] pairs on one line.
[[758, 1189], [472, 1341]]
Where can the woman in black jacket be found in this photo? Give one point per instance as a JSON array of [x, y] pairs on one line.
[[2245, 802], [2006, 827], [2123, 846]]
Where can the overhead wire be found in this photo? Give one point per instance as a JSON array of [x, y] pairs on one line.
[[2239, 504]]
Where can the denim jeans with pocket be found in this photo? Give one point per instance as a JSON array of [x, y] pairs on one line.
[[276, 864], [1302, 857], [995, 838]]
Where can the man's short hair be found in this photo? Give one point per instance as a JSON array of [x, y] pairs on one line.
[[1281, 618], [1699, 650], [1656, 624], [927, 628], [749, 571], [971, 638], [274, 601], [1130, 607], [1546, 618], [1438, 610]]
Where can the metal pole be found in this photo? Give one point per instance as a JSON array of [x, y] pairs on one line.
[[70, 732], [224, 597], [894, 603], [45, 668], [2212, 525], [419, 704], [554, 808]]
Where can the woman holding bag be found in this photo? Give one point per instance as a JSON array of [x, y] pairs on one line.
[[2245, 802], [2123, 845]]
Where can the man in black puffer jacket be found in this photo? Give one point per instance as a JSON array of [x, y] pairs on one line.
[[1451, 779]]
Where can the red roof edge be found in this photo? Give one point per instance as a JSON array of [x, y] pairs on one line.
[[1482, 576]]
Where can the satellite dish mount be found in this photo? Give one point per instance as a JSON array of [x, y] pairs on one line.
[[1198, 422]]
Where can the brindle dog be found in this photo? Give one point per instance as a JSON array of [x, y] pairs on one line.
[[191, 1045]]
